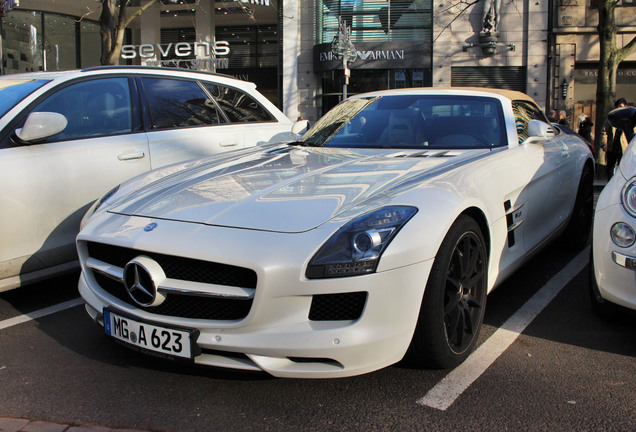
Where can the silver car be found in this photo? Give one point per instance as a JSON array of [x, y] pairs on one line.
[[66, 138]]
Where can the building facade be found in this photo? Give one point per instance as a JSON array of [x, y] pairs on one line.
[[425, 43], [546, 48], [575, 53]]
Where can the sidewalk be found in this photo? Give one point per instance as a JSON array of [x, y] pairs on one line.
[[8, 424]]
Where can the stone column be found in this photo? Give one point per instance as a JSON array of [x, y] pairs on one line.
[[150, 23], [205, 29], [290, 52]]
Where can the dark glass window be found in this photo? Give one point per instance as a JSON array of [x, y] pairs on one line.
[[377, 20], [238, 106], [90, 43], [60, 43], [12, 94], [179, 103], [412, 121], [594, 3], [92, 108], [252, 46], [22, 42]]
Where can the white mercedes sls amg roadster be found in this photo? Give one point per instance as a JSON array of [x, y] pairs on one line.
[[374, 238]]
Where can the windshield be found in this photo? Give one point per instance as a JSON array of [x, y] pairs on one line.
[[411, 121], [13, 91]]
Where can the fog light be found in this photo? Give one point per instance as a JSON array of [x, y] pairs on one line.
[[623, 235]]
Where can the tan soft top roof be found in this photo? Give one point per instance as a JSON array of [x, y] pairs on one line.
[[508, 94]]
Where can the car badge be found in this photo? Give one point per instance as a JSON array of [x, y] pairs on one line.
[[142, 277], [150, 227]]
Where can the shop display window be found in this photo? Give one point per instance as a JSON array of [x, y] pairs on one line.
[[22, 42]]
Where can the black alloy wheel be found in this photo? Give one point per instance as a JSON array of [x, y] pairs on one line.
[[464, 297], [578, 230], [454, 300]]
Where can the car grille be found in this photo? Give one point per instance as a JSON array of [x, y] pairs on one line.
[[176, 304], [337, 307]]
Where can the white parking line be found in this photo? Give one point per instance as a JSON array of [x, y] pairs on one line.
[[40, 313], [456, 382]]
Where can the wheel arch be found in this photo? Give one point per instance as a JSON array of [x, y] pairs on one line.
[[478, 216]]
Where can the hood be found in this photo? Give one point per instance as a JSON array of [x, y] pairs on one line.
[[286, 189]]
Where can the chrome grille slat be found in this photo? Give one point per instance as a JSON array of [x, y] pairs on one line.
[[200, 290]]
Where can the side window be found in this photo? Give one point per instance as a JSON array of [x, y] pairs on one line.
[[524, 112], [237, 105], [92, 108], [179, 103]]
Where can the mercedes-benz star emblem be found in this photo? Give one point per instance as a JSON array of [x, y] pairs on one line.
[[150, 227], [142, 278]]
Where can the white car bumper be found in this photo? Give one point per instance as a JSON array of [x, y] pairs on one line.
[[277, 335]]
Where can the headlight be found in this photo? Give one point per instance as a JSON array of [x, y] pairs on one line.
[[628, 197], [356, 247], [622, 235]]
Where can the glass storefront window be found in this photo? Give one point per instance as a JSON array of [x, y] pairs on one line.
[[376, 20], [253, 46], [368, 80], [36, 41], [90, 44], [22, 42], [60, 44]]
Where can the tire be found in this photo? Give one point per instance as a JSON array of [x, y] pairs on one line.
[[454, 301], [577, 233]]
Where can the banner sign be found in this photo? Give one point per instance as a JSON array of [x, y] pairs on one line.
[[590, 75], [376, 55], [180, 54], [257, 2]]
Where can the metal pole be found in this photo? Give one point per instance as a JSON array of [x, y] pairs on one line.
[[344, 72]]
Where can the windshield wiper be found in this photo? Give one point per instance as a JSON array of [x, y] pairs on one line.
[[303, 144]]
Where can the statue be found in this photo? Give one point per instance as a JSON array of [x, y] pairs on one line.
[[491, 16]]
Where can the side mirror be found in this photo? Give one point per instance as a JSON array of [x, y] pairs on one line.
[[623, 118], [300, 127], [539, 131], [41, 125]]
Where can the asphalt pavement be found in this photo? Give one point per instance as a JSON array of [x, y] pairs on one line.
[[10, 424]]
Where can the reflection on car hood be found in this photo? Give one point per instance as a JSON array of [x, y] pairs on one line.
[[286, 189]]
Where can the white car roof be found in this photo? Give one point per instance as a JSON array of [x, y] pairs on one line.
[[137, 70]]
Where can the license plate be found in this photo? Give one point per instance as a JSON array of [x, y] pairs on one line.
[[164, 340]]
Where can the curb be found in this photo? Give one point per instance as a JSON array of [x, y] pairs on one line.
[[8, 424]]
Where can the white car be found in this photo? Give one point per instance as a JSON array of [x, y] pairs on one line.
[[613, 269], [376, 236], [68, 137]]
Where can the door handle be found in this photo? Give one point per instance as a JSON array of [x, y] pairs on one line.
[[131, 156], [228, 143]]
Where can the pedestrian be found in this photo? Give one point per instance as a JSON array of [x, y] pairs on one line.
[[552, 116], [613, 142], [585, 127], [563, 118]]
